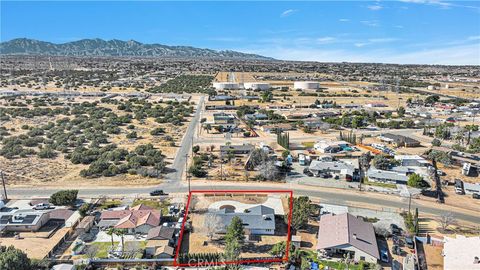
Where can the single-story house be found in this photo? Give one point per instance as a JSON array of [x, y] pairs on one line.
[[241, 149], [255, 116], [257, 220], [342, 169], [274, 128], [412, 160], [226, 120], [23, 220], [399, 140], [32, 220], [159, 249], [138, 219], [393, 177], [314, 123], [345, 233], [162, 233]]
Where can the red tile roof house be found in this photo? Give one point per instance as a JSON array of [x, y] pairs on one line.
[[345, 233], [138, 219]]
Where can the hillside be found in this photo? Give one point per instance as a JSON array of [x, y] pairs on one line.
[[114, 47]]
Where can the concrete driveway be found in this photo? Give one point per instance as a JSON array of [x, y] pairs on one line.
[[272, 202]]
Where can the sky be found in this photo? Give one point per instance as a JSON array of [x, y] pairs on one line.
[[404, 32]]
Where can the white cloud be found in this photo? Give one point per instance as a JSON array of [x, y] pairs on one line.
[[473, 38], [428, 2], [375, 7], [288, 12], [453, 55], [381, 40], [371, 41], [373, 23], [441, 4], [226, 39], [344, 20], [360, 44], [325, 40]]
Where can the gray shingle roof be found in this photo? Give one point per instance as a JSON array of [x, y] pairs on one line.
[[257, 218]]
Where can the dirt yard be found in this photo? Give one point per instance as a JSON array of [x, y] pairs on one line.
[[197, 241], [35, 248]]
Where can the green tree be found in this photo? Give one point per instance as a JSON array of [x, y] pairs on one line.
[[401, 111], [13, 259], [47, 152], [235, 230], [84, 209], [195, 149], [436, 142], [383, 162], [432, 99], [64, 197], [415, 180], [300, 212], [208, 127], [132, 135], [121, 233], [111, 232], [234, 238]]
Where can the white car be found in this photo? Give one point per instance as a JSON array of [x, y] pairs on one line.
[[42, 206], [459, 191]]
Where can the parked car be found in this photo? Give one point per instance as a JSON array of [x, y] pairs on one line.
[[384, 255], [459, 190], [307, 172], [476, 195], [395, 229], [157, 192], [409, 242], [396, 250], [42, 206]]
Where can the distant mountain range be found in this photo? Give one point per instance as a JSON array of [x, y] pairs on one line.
[[114, 47]]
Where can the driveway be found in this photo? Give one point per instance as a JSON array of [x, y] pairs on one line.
[[272, 202]]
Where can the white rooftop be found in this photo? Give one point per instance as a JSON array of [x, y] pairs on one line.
[[460, 252]]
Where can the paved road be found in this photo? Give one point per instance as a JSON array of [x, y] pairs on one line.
[[174, 178], [325, 195]]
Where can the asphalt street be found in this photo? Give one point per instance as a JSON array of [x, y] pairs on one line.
[[325, 196], [178, 165]]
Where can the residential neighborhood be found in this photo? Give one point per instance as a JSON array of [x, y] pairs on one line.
[[311, 135]]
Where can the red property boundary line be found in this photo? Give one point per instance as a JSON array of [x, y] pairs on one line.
[[246, 261]]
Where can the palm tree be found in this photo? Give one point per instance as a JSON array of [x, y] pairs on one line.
[[111, 232], [121, 233]]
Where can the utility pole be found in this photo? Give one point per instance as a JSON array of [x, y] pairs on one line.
[[409, 202], [4, 187], [186, 173], [186, 166], [221, 165]]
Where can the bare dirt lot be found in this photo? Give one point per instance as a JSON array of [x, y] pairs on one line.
[[35, 248]]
